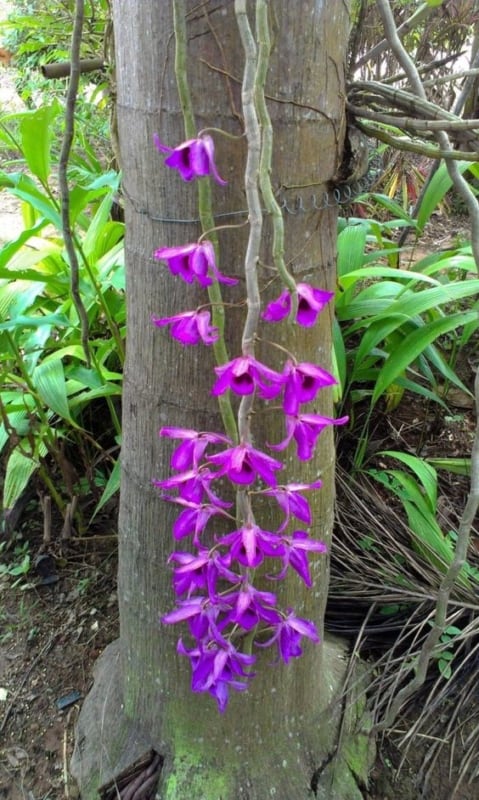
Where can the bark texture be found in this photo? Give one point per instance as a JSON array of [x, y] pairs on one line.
[[278, 739]]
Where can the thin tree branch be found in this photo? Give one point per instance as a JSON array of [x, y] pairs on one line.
[[63, 178], [423, 11]]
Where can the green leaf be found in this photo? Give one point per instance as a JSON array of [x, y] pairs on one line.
[[22, 321], [36, 131], [20, 469], [339, 361], [8, 250], [413, 345], [351, 243], [95, 229], [444, 667], [436, 191], [423, 471], [459, 466], [112, 486], [17, 421], [49, 381], [381, 272]]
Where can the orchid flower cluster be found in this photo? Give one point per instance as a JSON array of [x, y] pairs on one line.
[[214, 584]]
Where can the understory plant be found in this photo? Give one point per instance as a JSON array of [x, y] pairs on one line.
[[225, 585], [394, 323], [51, 391]]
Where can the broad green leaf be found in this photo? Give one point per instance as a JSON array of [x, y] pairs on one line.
[[17, 296], [42, 204], [23, 321], [424, 471], [19, 470], [351, 243], [381, 272], [377, 306], [339, 362], [49, 381], [412, 346], [79, 400], [401, 217], [9, 249], [431, 543], [459, 466], [96, 226], [112, 486], [18, 422], [436, 191], [422, 391], [36, 131]]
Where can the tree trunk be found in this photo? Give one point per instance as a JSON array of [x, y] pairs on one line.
[[280, 738]]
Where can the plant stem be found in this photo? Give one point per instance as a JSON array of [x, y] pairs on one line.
[[272, 206], [204, 208], [63, 180], [253, 200]]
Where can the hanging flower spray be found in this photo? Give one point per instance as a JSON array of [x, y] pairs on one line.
[[215, 586]]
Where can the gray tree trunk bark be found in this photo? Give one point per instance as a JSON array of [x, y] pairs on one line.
[[280, 738]]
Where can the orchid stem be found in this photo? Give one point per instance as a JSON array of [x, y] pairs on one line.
[[205, 208], [271, 204], [220, 228], [255, 215]]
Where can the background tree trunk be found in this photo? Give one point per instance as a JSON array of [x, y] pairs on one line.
[[275, 739]]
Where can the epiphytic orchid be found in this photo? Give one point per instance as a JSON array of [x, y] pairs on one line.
[[194, 158], [302, 384], [292, 502], [189, 453], [243, 464], [244, 375], [193, 262], [190, 327], [288, 634], [305, 429], [311, 302]]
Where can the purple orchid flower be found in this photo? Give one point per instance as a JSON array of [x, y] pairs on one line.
[[194, 158], [216, 668], [204, 617], [311, 302], [251, 606], [194, 519], [200, 571], [192, 485], [292, 502], [190, 327], [305, 429], [296, 549], [244, 375], [302, 384], [249, 545], [288, 634], [189, 453], [193, 262], [243, 464]]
